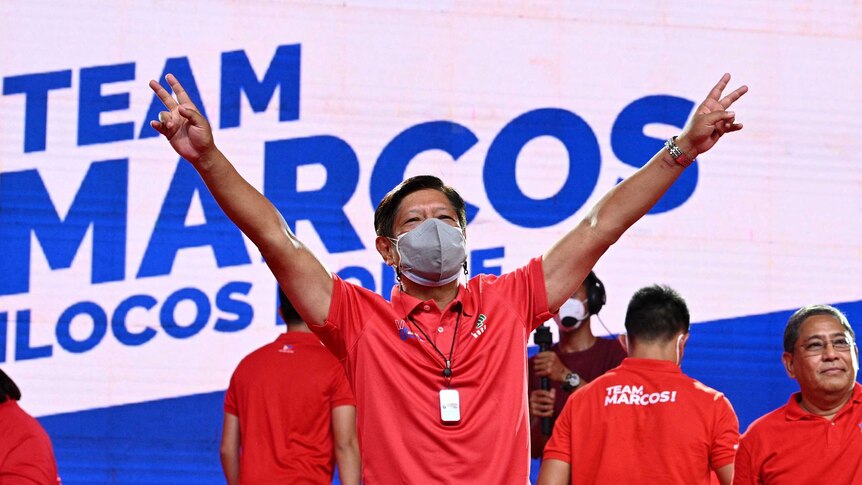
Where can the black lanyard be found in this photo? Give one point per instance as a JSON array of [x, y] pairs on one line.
[[447, 369]]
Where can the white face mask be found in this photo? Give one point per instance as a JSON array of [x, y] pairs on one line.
[[678, 341], [573, 313], [432, 253]]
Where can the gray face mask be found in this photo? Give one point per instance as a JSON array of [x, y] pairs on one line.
[[432, 253]]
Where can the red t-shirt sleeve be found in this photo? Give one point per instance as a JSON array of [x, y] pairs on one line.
[[342, 395], [726, 437], [343, 325], [230, 401], [524, 290], [744, 470], [559, 446]]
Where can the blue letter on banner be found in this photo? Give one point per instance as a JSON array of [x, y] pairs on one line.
[[26, 207], [237, 75], [324, 208]]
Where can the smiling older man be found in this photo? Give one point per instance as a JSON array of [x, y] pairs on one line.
[[817, 436]]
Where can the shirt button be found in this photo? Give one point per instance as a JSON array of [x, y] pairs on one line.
[[440, 330], [426, 307]]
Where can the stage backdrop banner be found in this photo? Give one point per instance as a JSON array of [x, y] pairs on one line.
[[123, 282]]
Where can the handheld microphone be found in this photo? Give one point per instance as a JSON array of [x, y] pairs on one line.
[[543, 339]]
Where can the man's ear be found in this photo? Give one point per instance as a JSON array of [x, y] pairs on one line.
[[855, 357], [787, 360], [387, 250], [683, 341], [624, 341]]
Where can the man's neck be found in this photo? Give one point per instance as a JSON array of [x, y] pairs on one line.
[[578, 340], [298, 327], [442, 295], [826, 405], [655, 351]]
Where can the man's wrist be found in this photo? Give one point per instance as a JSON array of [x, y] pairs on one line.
[[208, 159], [681, 151]]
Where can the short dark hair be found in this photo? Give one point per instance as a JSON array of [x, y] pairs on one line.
[[288, 312], [8, 388], [656, 313], [791, 330], [384, 215]]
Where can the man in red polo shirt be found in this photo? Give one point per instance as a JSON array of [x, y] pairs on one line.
[[26, 454], [440, 372], [289, 413], [817, 436], [645, 421]]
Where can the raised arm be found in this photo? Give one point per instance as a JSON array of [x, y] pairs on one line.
[[303, 278], [569, 261]]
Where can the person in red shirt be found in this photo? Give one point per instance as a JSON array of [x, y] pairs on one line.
[[26, 454], [645, 421], [578, 358], [440, 371], [817, 436], [288, 412]]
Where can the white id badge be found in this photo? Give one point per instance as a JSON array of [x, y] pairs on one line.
[[450, 406]]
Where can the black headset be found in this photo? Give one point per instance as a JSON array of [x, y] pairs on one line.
[[596, 296]]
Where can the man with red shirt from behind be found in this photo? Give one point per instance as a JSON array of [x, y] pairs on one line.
[[645, 421], [26, 455], [288, 410], [817, 436]]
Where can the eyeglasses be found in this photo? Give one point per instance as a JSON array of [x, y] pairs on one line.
[[817, 347]]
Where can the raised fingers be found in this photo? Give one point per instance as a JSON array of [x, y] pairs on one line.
[[715, 92], [168, 100], [730, 98], [182, 95]]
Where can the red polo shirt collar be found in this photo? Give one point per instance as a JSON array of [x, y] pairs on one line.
[[407, 304], [794, 412], [655, 365]]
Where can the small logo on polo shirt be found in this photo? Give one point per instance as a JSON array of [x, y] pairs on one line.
[[480, 326], [860, 427], [287, 349], [404, 332]]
